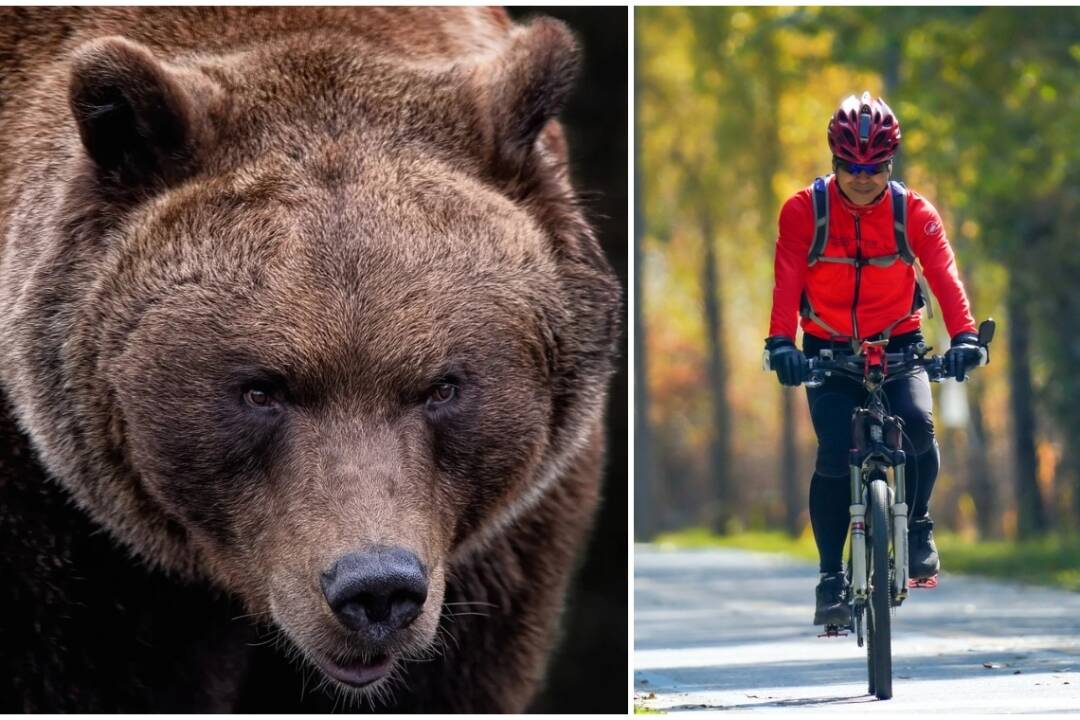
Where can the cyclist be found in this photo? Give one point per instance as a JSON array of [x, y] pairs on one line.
[[851, 282]]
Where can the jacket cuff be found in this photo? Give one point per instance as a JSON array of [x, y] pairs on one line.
[[776, 342], [964, 338]]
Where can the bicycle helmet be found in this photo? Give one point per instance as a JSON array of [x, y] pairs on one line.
[[864, 130]]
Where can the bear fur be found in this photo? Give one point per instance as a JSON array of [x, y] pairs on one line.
[[279, 284]]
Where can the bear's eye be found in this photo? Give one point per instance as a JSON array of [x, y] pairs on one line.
[[259, 397], [440, 394]]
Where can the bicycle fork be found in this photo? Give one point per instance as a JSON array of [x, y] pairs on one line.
[[898, 512], [900, 528], [858, 536]]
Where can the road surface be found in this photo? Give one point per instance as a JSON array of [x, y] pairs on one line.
[[730, 630]]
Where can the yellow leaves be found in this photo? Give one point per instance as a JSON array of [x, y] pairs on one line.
[[741, 21], [1029, 78], [968, 174], [969, 229], [800, 47], [915, 141], [971, 56]]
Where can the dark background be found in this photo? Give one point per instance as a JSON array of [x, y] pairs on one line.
[[589, 673]]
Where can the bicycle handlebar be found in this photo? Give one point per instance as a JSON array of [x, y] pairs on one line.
[[895, 364]]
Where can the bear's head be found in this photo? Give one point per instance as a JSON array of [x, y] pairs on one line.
[[317, 322]]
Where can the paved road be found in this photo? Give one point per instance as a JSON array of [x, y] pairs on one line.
[[727, 629]]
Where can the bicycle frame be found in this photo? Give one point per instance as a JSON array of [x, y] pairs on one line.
[[877, 451]]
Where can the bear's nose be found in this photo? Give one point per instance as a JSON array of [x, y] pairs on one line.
[[382, 589]]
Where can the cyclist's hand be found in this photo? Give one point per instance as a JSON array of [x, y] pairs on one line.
[[787, 360], [963, 355]]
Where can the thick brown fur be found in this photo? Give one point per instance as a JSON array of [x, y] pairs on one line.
[[340, 209]]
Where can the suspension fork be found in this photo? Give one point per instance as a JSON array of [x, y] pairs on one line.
[[860, 444], [893, 433], [900, 544], [858, 529]]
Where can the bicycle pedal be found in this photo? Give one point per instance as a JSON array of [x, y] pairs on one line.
[[927, 583], [833, 631]]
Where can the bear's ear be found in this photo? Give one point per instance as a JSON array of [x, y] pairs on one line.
[[140, 121], [529, 85]]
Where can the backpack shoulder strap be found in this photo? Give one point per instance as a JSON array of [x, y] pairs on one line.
[[899, 205], [821, 218], [903, 247]]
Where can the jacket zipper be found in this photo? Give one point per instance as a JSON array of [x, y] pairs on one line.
[[858, 278]]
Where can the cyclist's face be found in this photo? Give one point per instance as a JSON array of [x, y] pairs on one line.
[[862, 189]]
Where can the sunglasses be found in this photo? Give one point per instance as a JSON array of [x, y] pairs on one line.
[[855, 168]]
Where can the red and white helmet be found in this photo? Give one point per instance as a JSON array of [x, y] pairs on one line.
[[864, 130]]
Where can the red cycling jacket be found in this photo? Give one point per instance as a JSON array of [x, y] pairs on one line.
[[870, 296]]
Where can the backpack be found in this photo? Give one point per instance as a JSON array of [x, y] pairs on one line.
[[903, 248]]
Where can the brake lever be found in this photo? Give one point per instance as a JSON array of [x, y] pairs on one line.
[[815, 377], [986, 334], [935, 369]]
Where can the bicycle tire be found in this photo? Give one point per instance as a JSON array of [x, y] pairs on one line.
[[879, 617], [869, 654]]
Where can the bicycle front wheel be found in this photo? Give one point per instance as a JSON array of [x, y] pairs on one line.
[[878, 620]]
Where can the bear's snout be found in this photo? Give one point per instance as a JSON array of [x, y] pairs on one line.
[[377, 591]]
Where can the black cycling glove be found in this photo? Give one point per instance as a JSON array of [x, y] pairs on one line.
[[963, 355], [788, 361]]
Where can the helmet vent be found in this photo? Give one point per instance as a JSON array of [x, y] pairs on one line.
[[864, 126]]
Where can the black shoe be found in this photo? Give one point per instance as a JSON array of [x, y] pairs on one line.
[[923, 562], [832, 601]]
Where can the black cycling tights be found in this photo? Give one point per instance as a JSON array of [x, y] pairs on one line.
[[831, 406]]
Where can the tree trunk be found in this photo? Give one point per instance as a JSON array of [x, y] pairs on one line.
[[981, 481], [795, 496], [1031, 518], [891, 63], [725, 493], [980, 478]]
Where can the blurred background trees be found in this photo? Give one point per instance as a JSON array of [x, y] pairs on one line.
[[731, 109]]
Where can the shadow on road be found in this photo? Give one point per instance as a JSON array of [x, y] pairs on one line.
[[808, 702], [822, 673]]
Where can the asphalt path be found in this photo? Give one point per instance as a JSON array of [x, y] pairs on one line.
[[730, 630]]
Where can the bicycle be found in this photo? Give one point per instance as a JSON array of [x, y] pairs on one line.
[[877, 566]]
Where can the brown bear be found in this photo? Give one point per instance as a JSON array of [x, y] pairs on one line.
[[304, 346]]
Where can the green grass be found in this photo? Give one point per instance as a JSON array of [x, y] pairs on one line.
[[642, 710], [762, 541], [1053, 560]]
